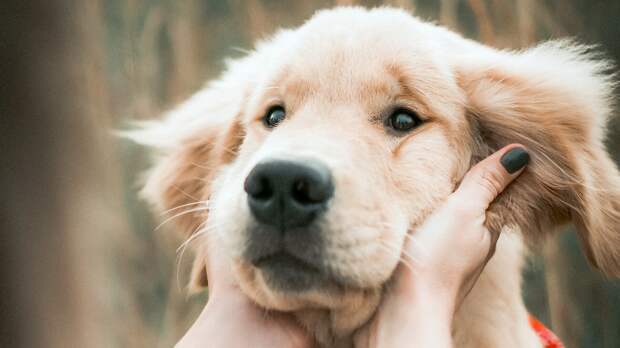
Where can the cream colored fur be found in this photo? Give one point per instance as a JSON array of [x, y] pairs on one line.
[[336, 74]]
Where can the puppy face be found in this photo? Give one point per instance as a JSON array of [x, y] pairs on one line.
[[321, 151], [344, 151]]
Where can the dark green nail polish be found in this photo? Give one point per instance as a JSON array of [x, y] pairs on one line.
[[515, 159]]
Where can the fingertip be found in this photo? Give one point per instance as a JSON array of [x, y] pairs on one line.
[[514, 159], [487, 179]]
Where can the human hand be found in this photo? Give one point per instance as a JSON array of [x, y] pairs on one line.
[[442, 260], [450, 251], [231, 319]]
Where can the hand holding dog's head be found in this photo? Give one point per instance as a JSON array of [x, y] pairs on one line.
[[555, 99], [388, 113]]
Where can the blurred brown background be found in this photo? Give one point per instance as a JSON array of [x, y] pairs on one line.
[[82, 265]]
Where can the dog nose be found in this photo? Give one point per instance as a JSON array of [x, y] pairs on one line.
[[287, 194]]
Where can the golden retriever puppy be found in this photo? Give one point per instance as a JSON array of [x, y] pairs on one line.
[[318, 152]]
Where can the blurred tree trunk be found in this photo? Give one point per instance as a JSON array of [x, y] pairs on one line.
[[58, 205], [42, 306]]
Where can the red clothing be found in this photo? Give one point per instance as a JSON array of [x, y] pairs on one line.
[[548, 338]]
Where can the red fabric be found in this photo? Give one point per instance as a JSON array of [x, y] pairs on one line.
[[548, 338]]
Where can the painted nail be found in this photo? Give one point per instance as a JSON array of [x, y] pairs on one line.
[[515, 159]]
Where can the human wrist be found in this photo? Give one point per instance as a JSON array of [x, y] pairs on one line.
[[437, 298], [428, 290], [230, 298], [431, 315], [422, 315], [426, 298]]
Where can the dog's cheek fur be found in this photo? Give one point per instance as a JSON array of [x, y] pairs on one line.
[[560, 121], [193, 142], [184, 176], [179, 178]]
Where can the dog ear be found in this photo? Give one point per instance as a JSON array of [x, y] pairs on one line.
[[554, 99], [192, 143]]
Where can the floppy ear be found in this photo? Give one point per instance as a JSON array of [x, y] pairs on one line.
[[192, 143], [554, 99]]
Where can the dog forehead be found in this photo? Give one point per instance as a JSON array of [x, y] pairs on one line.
[[354, 55], [357, 47], [351, 52]]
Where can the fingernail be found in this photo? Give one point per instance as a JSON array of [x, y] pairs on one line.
[[515, 159]]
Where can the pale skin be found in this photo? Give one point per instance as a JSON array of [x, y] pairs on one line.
[[449, 252]]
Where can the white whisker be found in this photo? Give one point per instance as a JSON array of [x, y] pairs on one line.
[[182, 206], [193, 210], [185, 193], [201, 166], [201, 230], [241, 50]]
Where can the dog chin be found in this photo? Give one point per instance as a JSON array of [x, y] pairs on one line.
[[283, 272], [280, 286]]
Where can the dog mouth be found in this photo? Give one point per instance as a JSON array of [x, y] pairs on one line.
[[286, 272], [285, 260]]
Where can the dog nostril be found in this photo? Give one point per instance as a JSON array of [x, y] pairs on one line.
[[310, 192], [259, 188], [301, 192]]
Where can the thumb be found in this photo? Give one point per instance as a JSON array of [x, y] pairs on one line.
[[487, 179]]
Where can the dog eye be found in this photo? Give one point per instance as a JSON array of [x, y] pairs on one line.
[[274, 116], [403, 120]]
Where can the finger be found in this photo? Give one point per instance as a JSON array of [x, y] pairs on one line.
[[218, 265], [487, 179]]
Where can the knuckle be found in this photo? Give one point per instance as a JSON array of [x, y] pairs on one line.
[[491, 181]]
